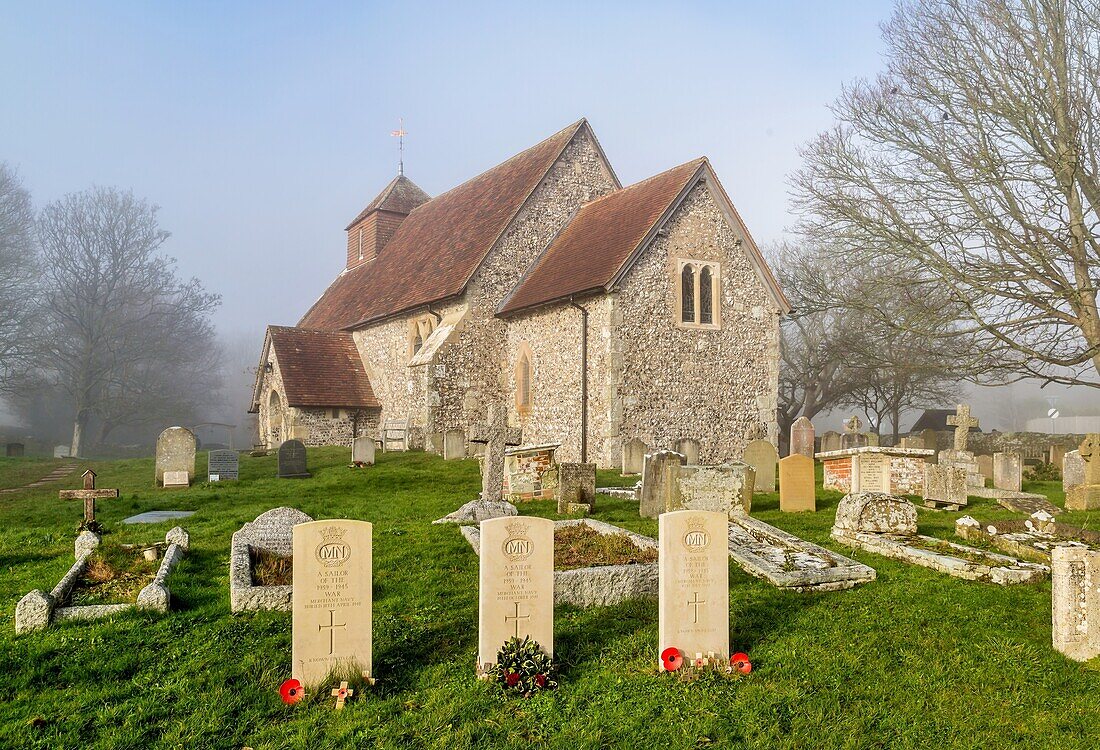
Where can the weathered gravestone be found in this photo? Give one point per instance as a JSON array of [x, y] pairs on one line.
[[576, 490], [796, 484], [292, 460], [875, 513], [985, 466], [873, 439], [634, 456], [1055, 454], [496, 436], [454, 445], [1073, 470], [658, 479], [223, 465], [802, 437], [61, 451], [689, 448], [332, 601], [1075, 601], [944, 487], [761, 455], [830, 441], [931, 440], [693, 575], [1007, 468], [515, 585], [853, 437], [362, 451], [871, 472], [911, 442], [14, 450], [726, 488], [1086, 495], [271, 533], [175, 452]]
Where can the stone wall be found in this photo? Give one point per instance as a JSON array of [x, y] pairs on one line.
[[717, 386]]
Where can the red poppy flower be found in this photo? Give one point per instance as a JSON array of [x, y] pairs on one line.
[[540, 680], [291, 691], [671, 659], [740, 662], [511, 680]]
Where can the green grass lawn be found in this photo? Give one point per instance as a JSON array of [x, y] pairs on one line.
[[19, 472], [916, 659]]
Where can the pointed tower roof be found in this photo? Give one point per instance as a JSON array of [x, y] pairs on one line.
[[401, 196]]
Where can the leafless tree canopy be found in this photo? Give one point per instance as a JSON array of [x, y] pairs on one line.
[[124, 337], [972, 168], [18, 270]]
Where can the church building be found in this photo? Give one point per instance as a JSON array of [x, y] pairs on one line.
[[596, 314]]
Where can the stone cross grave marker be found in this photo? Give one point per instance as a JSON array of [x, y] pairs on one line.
[[89, 494], [362, 451], [1007, 471], [332, 601], [693, 583], [796, 484], [223, 465], [175, 452], [761, 455], [634, 456], [515, 585], [852, 437], [496, 435], [292, 460], [802, 437], [962, 422]]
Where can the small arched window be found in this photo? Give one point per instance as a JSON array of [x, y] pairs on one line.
[[687, 294], [706, 293], [523, 382], [418, 341]]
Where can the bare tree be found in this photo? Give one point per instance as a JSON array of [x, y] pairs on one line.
[[18, 274], [972, 167], [125, 338]]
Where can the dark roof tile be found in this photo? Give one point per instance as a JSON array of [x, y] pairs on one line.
[[321, 368]]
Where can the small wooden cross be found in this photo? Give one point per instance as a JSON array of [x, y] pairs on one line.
[[89, 494], [962, 422], [342, 693]]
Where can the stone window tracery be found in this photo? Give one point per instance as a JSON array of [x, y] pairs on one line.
[[698, 294]]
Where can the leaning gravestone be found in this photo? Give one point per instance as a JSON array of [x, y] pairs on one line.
[[515, 585], [292, 460], [689, 448], [175, 452], [693, 584], [332, 601], [802, 437], [1007, 471], [761, 455], [222, 465], [657, 482], [1086, 495], [362, 451], [634, 456], [796, 484], [1075, 601]]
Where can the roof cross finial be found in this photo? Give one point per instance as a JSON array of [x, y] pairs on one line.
[[400, 134]]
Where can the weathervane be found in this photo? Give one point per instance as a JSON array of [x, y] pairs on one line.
[[400, 134]]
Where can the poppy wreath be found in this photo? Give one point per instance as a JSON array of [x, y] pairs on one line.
[[523, 667]]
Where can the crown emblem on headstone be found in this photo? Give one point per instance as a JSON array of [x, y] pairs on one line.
[[517, 528], [696, 524], [332, 533]]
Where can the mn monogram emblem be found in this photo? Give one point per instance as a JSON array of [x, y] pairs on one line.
[[695, 538], [517, 546], [333, 551]]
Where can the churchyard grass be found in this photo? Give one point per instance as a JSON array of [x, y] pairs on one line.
[[914, 659], [19, 472]]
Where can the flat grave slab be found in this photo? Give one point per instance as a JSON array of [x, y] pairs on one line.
[[1032, 538], [1020, 502], [157, 516], [788, 562]]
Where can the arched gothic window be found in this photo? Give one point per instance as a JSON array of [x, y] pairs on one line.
[[699, 294], [706, 311], [523, 381], [687, 294]]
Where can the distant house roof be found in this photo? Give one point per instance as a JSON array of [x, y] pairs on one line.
[[401, 196], [936, 419], [320, 368], [437, 249], [604, 237]]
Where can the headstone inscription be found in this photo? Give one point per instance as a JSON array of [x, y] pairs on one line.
[[796, 484], [332, 601], [802, 437], [515, 585], [1007, 471], [633, 456], [871, 472], [1086, 495], [222, 466], [292, 460], [693, 584], [761, 455], [176, 480], [1075, 601], [89, 494], [175, 452], [362, 451]]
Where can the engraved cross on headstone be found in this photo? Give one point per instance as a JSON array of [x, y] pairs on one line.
[[695, 604], [962, 422], [332, 625], [89, 495], [516, 618], [496, 435]]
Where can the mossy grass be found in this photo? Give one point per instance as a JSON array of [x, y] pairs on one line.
[[916, 659], [583, 547], [115, 574]]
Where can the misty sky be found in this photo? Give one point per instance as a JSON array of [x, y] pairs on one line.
[[262, 129]]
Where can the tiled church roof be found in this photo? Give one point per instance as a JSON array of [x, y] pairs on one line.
[[438, 247], [321, 368], [590, 251], [401, 196]]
